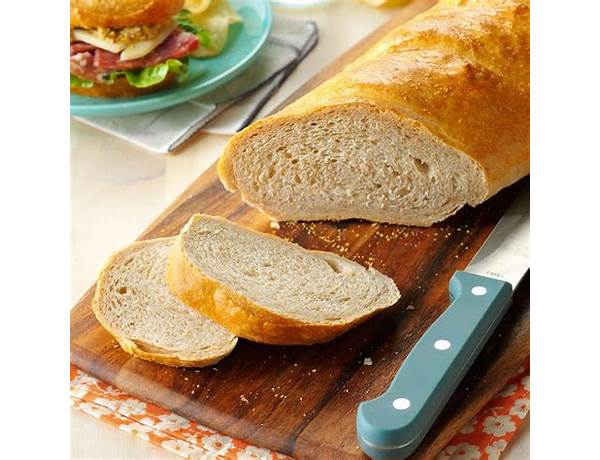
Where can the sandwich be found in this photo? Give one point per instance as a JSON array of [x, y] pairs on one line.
[[130, 48]]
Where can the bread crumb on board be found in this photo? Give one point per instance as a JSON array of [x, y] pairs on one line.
[[244, 399], [367, 362]]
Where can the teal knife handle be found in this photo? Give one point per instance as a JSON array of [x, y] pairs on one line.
[[393, 425]]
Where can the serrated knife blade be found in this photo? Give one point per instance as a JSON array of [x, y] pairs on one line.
[[505, 253]]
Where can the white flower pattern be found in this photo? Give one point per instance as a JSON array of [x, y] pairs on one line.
[[498, 425], [192, 439], [80, 385], [178, 447], [112, 404], [132, 407], [520, 408], [495, 449], [84, 379], [217, 443], [149, 422], [136, 429], [462, 451], [79, 391], [172, 422], [93, 409]]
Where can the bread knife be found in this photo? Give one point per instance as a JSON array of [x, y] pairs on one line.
[[393, 425]]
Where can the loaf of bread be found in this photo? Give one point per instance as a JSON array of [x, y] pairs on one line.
[[133, 303], [433, 117], [269, 290]]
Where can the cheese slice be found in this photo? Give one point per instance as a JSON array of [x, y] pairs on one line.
[[93, 39], [134, 51], [142, 48]]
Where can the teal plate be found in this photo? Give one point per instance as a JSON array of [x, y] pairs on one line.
[[244, 42]]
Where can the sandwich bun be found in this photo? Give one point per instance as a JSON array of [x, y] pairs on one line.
[[117, 14], [122, 88]]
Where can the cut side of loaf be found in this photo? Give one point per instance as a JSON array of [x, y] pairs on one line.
[[354, 161], [269, 290], [133, 303], [434, 117]]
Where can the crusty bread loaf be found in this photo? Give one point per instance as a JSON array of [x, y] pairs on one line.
[[117, 14], [433, 117], [134, 304], [121, 88], [269, 290]]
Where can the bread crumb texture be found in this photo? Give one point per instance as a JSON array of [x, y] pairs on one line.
[[133, 303]]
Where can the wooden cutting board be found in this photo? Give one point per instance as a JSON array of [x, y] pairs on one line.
[[302, 400]]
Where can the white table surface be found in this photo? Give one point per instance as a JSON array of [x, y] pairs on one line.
[[117, 189]]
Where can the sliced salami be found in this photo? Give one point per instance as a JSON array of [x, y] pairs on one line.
[[177, 45], [90, 62], [80, 47], [82, 65]]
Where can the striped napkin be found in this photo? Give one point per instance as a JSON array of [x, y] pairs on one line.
[[163, 131]]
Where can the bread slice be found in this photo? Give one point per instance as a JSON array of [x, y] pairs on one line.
[[434, 117], [269, 290], [133, 303], [121, 88]]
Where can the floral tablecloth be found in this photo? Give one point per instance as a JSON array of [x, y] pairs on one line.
[[485, 437]]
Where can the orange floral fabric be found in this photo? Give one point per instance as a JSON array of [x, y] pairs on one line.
[[484, 437], [487, 434]]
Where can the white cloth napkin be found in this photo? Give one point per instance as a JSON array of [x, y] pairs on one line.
[[237, 102]]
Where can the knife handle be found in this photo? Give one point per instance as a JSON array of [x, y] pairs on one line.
[[393, 425]]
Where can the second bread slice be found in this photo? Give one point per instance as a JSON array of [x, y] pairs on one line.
[[268, 290]]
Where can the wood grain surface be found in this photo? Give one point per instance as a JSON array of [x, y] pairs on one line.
[[302, 400]]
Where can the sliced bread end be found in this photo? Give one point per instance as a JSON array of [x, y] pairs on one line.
[[133, 303]]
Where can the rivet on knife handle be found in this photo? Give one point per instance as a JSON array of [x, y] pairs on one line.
[[394, 424]]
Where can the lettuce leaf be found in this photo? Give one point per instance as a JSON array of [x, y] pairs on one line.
[[185, 21], [141, 78], [152, 75], [80, 82]]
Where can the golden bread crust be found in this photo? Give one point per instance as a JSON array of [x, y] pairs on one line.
[[461, 70], [168, 360], [118, 14], [130, 346], [121, 88], [240, 315]]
